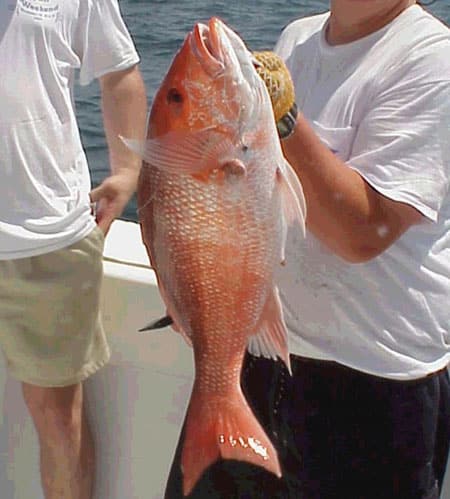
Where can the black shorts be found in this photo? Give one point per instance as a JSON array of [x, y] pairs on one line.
[[339, 433]]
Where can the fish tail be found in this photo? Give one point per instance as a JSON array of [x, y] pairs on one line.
[[223, 428]]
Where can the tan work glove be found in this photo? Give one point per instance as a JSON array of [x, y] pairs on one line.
[[272, 69]]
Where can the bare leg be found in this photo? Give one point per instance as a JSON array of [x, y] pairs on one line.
[[66, 445]]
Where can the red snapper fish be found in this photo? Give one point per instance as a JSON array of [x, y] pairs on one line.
[[215, 196]]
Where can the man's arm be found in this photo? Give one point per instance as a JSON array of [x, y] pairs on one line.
[[343, 211], [124, 108], [350, 217]]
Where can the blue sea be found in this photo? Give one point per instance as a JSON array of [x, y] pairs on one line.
[[158, 28]]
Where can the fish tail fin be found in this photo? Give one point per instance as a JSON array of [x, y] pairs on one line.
[[226, 428]]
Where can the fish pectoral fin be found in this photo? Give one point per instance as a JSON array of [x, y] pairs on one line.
[[183, 152], [272, 339], [293, 198]]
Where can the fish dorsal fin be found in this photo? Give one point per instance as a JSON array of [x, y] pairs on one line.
[[271, 341], [293, 199], [184, 152]]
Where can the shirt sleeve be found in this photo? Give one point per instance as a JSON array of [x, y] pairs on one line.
[[402, 145], [103, 42], [285, 43]]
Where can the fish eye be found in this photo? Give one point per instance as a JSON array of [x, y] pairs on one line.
[[174, 96]]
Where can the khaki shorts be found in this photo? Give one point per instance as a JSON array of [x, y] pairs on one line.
[[50, 328]]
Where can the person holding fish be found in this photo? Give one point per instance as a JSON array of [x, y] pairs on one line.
[[51, 241], [361, 407]]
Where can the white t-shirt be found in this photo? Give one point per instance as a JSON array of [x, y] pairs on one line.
[[44, 178], [382, 104]]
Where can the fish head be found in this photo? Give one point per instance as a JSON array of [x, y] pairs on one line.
[[211, 83]]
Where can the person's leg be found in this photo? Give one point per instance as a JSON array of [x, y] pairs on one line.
[[307, 420], [443, 431], [362, 441], [52, 338], [386, 436], [421, 414], [66, 448]]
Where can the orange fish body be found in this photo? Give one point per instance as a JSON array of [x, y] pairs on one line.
[[214, 197]]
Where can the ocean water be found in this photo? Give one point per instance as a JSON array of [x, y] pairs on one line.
[[158, 28]]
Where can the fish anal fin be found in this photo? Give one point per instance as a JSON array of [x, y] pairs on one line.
[[226, 428], [271, 341]]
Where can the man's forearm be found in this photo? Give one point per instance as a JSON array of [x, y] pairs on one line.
[[124, 106], [344, 212]]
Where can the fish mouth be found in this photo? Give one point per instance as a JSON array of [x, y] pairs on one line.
[[207, 45]]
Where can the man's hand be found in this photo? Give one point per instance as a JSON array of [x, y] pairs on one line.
[[111, 197], [276, 76]]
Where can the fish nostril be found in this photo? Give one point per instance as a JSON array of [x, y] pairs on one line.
[[174, 96]]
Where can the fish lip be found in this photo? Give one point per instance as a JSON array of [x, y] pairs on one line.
[[206, 44]]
